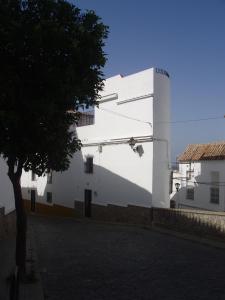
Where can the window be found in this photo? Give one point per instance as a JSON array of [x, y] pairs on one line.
[[214, 189], [190, 193], [49, 197], [33, 176], [49, 177], [86, 119], [88, 165], [214, 195]]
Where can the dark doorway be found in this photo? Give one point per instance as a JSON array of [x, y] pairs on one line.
[[87, 203], [32, 200]]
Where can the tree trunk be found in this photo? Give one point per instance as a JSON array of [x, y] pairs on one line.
[[21, 225]]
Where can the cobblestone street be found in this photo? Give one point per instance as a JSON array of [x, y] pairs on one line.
[[85, 260]]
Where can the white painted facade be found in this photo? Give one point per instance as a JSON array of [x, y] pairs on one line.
[[198, 175], [136, 106], [6, 189]]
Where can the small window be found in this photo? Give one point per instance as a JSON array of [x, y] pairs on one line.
[[49, 177], [33, 176], [88, 165], [190, 194], [214, 195], [49, 197]]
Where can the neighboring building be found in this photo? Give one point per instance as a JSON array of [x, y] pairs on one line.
[[124, 161], [6, 189], [201, 177]]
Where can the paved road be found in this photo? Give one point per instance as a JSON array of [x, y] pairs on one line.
[[92, 261]]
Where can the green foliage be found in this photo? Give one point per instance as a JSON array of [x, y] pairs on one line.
[[51, 58]]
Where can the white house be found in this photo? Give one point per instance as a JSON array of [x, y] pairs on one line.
[[201, 177], [124, 161], [6, 189]]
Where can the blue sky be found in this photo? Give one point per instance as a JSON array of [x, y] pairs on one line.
[[184, 37]]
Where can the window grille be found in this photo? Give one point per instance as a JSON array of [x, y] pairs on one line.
[[214, 195], [214, 189], [85, 119]]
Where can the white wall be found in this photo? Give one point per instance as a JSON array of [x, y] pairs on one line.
[[201, 182], [39, 185], [108, 124], [6, 189], [121, 176], [117, 178], [161, 132]]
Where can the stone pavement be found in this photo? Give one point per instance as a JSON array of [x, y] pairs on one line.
[[87, 260]]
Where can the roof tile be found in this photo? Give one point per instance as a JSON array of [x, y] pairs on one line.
[[196, 152]]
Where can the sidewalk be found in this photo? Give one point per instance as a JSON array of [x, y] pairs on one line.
[[28, 291], [7, 251], [33, 290]]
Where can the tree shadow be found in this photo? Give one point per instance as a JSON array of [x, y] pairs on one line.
[[113, 197]]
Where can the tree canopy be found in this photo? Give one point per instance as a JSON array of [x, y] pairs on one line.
[[51, 58]]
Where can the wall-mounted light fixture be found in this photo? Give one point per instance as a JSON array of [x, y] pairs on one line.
[[138, 149]]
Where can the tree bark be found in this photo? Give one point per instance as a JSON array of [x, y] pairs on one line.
[[21, 221]]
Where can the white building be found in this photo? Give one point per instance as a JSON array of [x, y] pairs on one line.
[[124, 161], [201, 177], [6, 189]]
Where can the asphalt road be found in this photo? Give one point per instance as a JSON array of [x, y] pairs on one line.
[[90, 261]]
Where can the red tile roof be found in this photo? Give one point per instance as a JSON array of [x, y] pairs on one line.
[[196, 152]]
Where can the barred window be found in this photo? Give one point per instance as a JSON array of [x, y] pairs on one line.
[[214, 195], [190, 194], [88, 165], [214, 189]]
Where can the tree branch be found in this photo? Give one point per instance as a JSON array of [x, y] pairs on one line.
[[19, 168]]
